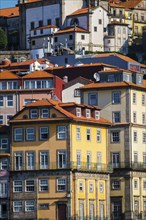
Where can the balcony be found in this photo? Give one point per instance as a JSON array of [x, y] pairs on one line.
[[83, 167], [130, 165], [4, 151]]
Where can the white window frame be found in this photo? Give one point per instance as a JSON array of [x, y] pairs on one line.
[[45, 113], [3, 188], [34, 113], [135, 184], [10, 101], [61, 132], [135, 137], [61, 184], [115, 136], [78, 112], [81, 186], [30, 160], [44, 131], [134, 117], [17, 186], [4, 164], [4, 143], [88, 113], [1, 101], [18, 158], [29, 206], [98, 135], [97, 115], [78, 154], [18, 134], [134, 98], [91, 187], [62, 159], [44, 160], [116, 184], [88, 134], [30, 134], [101, 187], [17, 206], [78, 133], [29, 185], [116, 97], [43, 185]]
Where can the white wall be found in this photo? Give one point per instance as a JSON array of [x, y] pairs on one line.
[[68, 93]]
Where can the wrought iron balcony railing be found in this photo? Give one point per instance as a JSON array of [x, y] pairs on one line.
[[86, 167], [130, 165]]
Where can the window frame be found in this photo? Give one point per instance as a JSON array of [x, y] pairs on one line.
[[43, 185], [29, 187], [62, 185], [34, 115], [19, 187], [116, 97], [43, 133], [21, 138], [30, 136], [61, 132], [18, 207], [30, 207], [115, 139]]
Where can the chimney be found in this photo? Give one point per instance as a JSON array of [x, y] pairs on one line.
[[65, 79]]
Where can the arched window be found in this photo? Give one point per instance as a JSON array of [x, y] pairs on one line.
[[74, 22]]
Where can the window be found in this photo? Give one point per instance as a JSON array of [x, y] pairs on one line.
[[134, 117], [143, 118], [34, 113], [111, 78], [134, 98], [17, 206], [82, 37], [143, 99], [97, 115], [10, 100], [18, 134], [78, 133], [44, 206], [88, 113], [4, 164], [17, 186], [135, 184], [30, 160], [29, 186], [62, 159], [55, 39], [91, 187], [29, 205], [3, 85], [34, 32], [61, 132], [33, 42], [144, 160], [30, 134], [115, 160], [45, 113], [3, 188], [101, 187], [88, 160], [99, 161], [88, 134], [144, 185], [77, 93], [81, 186], [99, 21], [40, 23], [78, 158], [98, 135], [78, 112], [41, 31], [43, 160], [81, 210], [43, 185], [49, 22], [135, 158], [32, 25], [4, 143], [91, 210], [70, 37], [44, 133], [116, 117], [144, 137], [1, 101], [135, 136], [92, 99], [142, 16], [61, 184], [8, 118], [116, 97], [95, 29], [1, 120], [116, 184], [57, 21], [18, 160], [115, 136], [12, 85]]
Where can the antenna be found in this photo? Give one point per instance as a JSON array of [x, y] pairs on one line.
[[96, 77]]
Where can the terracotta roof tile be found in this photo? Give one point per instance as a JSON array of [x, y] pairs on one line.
[[38, 74], [111, 85], [9, 12], [7, 75], [130, 3], [45, 27], [80, 11], [115, 5], [43, 102], [68, 30]]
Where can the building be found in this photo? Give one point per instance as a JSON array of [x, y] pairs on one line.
[[4, 172], [59, 166], [122, 94], [9, 22]]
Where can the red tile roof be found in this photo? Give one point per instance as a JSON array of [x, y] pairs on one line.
[[4, 75], [38, 74], [9, 12], [45, 27], [80, 11], [73, 29], [111, 85], [130, 3]]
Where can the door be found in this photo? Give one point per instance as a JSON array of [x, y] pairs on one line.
[[62, 212], [115, 160]]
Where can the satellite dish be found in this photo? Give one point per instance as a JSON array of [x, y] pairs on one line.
[[96, 77]]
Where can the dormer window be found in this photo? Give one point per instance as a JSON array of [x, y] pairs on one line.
[[127, 78], [88, 113], [45, 113], [111, 78], [34, 113], [139, 79], [97, 115], [78, 112]]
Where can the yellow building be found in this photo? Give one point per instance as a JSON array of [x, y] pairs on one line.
[[59, 164]]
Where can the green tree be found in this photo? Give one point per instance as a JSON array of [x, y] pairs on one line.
[[3, 39]]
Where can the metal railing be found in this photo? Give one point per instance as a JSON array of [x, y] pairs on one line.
[[86, 167], [130, 165]]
